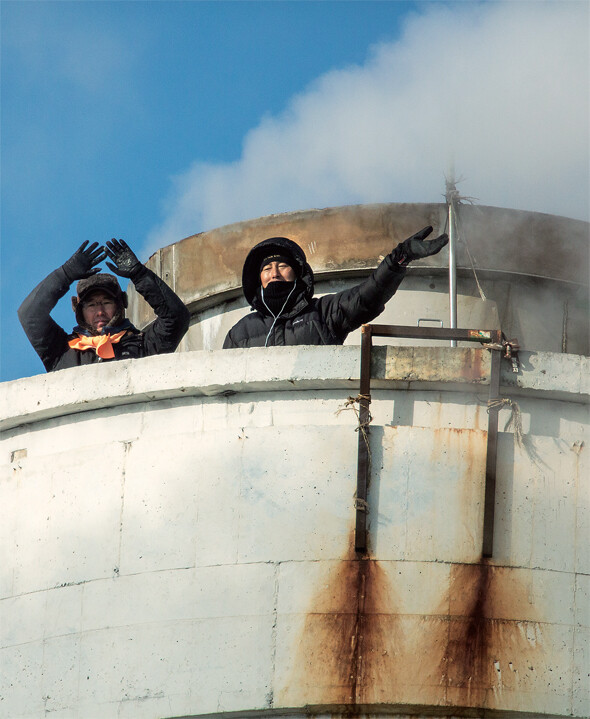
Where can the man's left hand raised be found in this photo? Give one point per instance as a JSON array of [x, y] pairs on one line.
[[416, 247], [125, 261]]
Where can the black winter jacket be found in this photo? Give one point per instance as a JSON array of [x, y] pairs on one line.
[[310, 321], [50, 341]]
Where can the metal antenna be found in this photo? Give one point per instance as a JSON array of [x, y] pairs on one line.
[[452, 197]]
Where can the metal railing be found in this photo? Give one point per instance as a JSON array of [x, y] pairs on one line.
[[492, 340]]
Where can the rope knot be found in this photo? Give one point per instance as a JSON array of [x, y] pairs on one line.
[[515, 420], [362, 426]]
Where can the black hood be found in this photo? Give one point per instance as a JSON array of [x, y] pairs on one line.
[[282, 246]]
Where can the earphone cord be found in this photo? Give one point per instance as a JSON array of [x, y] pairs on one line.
[[271, 312]]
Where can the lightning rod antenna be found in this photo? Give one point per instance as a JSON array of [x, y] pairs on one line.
[[452, 197]]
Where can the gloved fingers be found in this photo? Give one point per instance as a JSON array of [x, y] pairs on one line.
[[82, 247], [124, 258], [120, 244], [422, 234], [116, 260], [83, 250], [90, 249], [113, 246], [96, 256], [437, 244], [81, 263], [118, 247], [88, 274], [114, 251], [91, 255], [112, 267]]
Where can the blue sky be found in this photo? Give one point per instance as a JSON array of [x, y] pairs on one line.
[[151, 121]]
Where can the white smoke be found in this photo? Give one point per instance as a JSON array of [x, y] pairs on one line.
[[501, 89]]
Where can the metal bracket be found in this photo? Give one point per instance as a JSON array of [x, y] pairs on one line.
[[492, 340], [429, 319]]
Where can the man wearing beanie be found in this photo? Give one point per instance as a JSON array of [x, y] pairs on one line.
[[102, 333], [278, 284]]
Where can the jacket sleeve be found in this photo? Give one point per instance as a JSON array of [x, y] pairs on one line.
[[49, 340], [172, 317], [228, 342], [346, 311]]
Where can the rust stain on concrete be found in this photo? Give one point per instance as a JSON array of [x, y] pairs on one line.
[[336, 647], [350, 637], [480, 640], [495, 640], [465, 663], [481, 647], [473, 368], [354, 650]]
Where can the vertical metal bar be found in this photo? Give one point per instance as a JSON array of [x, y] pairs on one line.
[[491, 455], [360, 540], [494, 337], [452, 266]]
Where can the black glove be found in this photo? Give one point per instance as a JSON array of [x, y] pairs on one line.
[[126, 263], [82, 263], [415, 248]]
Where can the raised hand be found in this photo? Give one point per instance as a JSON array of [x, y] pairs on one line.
[[125, 261], [82, 263], [415, 247]]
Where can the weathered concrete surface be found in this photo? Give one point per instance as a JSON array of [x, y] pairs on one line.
[[179, 552], [542, 302], [196, 374], [355, 236], [419, 297]]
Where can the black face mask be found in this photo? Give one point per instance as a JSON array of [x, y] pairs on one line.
[[275, 294]]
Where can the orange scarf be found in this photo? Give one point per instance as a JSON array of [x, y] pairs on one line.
[[102, 344]]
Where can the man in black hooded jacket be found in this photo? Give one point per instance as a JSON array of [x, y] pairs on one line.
[[278, 284], [102, 333]]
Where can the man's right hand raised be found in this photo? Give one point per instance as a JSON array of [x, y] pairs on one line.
[[82, 263]]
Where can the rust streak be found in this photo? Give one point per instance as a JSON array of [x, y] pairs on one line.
[[357, 639], [341, 656], [488, 650], [472, 366], [364, 644], [467, 655]]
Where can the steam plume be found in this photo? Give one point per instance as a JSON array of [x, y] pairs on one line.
[[502, 88]]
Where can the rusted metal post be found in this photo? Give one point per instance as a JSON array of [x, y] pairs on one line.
[[491, 454], [364, 458], [434, 333], [452, 270], [493, 341]]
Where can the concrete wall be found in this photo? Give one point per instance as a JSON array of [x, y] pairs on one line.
[[177, 538], [532, 268]]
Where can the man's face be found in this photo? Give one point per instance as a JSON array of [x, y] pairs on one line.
[[276, 272], [98, 309]]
